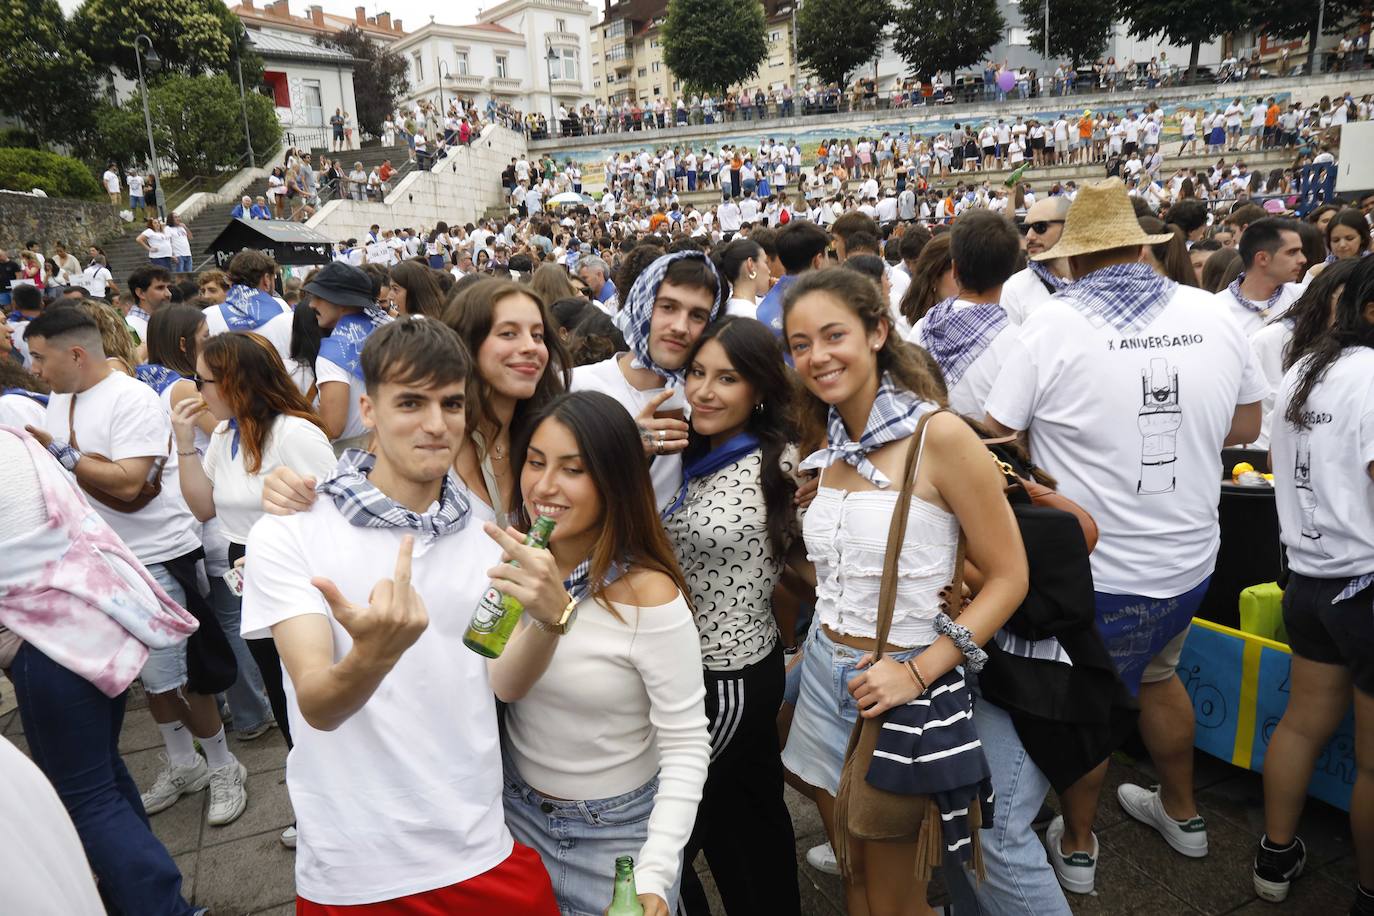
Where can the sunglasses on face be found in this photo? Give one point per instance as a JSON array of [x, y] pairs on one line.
[[201, 382], [1040, 227]]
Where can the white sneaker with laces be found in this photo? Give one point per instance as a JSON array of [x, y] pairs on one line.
[[228, 797], [288, 837], [1077, 872], [822, 859], [173, 782], [1187, 837]]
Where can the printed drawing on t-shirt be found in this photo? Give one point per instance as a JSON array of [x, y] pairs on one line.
[[1158, 421], [1307, 497]]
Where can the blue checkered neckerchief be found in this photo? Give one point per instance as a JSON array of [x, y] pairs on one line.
[[637, 311], [368, 507], [1354, 587], [955, 337], [1126, 296], [579, 581], [1259, 308], [247, 309], [344, 345], [138, 312], [894, 415], [1052, 280]]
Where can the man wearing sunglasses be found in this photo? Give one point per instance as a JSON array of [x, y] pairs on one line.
[[1030, 288]]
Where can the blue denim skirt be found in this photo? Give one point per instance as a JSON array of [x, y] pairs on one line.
[[826, 713], [579, 841]]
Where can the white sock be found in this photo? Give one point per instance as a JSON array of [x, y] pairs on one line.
[[216, 750], [177, 737]]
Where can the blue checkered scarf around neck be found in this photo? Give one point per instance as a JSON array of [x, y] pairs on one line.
[[637, 311], [344, 345], [956, 337], [1052, 280], [368, 507], [894, 415], [579, 582], [1126, 296], [247, 309], [1259, 308]]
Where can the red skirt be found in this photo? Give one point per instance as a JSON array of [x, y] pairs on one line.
[[519, 886]]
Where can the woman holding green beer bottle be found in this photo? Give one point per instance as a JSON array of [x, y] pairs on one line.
[[606, 744]]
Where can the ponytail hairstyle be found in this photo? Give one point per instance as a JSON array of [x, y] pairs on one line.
[[1171, 257], [754, 355], [931, 265], [1349, 329], [730, 257], [903, 361]]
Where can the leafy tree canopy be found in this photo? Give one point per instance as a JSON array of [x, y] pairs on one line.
[[45, 81], [946, 35], [379, 78], [711, 45], [1079, 29], [837, 37], [190, 36]]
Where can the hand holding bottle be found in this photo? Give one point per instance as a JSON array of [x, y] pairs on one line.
[[528, 574]]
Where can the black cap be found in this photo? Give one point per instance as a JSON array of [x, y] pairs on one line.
[[342, 284]]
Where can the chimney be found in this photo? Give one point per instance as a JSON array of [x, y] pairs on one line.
[[281, 8], [360, 15], [317, 15], [384, 21], [248, 4], [396, 26]]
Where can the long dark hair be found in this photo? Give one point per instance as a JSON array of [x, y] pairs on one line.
[[902, 360], [1350, 329], [470, 312], [1353, 219], [613, 454], [1172, 255], [422, 290], [172, 337], [254, 383], [753, 353], [1311, 314], [923, 292]]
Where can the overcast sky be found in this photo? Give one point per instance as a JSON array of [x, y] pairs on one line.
[[412, 13]]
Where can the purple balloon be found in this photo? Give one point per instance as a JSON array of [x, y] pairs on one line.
[[1006, 80]]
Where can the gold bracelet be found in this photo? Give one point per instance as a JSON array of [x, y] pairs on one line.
[[916, 673]]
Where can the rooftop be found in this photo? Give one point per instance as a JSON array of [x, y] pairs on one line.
[[273, 46], [316, 21]]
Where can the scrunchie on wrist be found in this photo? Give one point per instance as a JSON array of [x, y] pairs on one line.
[[974, 657]]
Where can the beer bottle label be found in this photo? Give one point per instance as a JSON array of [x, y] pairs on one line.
[[489, 612]]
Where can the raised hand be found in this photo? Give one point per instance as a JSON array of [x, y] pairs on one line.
[[535, 582], [391, 622], [661, 435], [184, 415]]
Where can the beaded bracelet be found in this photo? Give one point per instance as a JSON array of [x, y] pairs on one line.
[[916, 673], [974, 657]]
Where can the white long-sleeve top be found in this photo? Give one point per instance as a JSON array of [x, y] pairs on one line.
[[621, 701]]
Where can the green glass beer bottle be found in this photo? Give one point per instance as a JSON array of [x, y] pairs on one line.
[[1015, 177], [625, 902], [496, 614]]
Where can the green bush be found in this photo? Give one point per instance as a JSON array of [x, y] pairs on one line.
[[57, 176]]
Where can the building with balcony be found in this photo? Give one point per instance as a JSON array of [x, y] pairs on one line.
[[532, 54], [627, 52]]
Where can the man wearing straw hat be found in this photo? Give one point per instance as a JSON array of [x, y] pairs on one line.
[[1127, 386]]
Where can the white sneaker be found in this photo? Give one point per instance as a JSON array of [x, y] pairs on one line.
[[1077, 873], [1188, 837], [228, 797], [822, 858], [288, 837], [175, 781]]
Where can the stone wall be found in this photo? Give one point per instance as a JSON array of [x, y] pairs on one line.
[[49, 220], [459, 190]]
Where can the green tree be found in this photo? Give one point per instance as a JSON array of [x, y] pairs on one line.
[[57, 176], [837, 37], [197, 123], [379, 78], [946, 35], [711, 45], [1190, 23], [45, 82], [1286, 19], [1079, 29], [190, 36]]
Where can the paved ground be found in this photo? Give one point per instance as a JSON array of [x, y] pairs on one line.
[[242, 869]]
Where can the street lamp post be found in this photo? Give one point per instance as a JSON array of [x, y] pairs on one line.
[[549, 57], [443, 71], [243, 99], [154, 63]]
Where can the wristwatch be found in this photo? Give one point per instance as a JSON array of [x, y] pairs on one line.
[[565, 620]]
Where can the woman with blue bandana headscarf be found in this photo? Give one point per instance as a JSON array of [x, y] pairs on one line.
[[661, 316]]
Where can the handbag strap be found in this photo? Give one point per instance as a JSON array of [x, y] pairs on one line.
[[896, 535]]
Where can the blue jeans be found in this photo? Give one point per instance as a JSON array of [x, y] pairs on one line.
[[73, 734], [1019, 878], [184, 265], [165, 669], [164, 263], [247, 698]]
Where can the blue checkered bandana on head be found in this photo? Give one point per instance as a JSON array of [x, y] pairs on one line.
[[637, 311]]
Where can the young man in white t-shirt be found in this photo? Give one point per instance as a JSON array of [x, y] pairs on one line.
[[151, 287], [662, 322], [113, 434], [111, 182], [1271, 253], [1028, 289], [251, 303], [395, 776], [342, 297], [1128, 386]]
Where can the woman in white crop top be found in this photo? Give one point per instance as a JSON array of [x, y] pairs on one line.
[[605, 739], [869, 391]]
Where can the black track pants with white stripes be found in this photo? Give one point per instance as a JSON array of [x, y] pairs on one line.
[[742, 824]]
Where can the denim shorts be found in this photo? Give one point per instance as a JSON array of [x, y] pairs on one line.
[[165, 669], [826, 712], [579, 841]]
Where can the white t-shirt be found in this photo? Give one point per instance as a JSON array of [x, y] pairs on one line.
[[1133, 426], [969, 395], [293, 443], [95, 278], [1322, 486], [1247, 318], [277, 329], [405, 795], [111, 180], [19, 410], [1022, 294], [606, 377], [120, 417], [326, 371], [135, 185], [745, 308], [567, 741], [1269, 343], [159, 243], [181, 245]]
